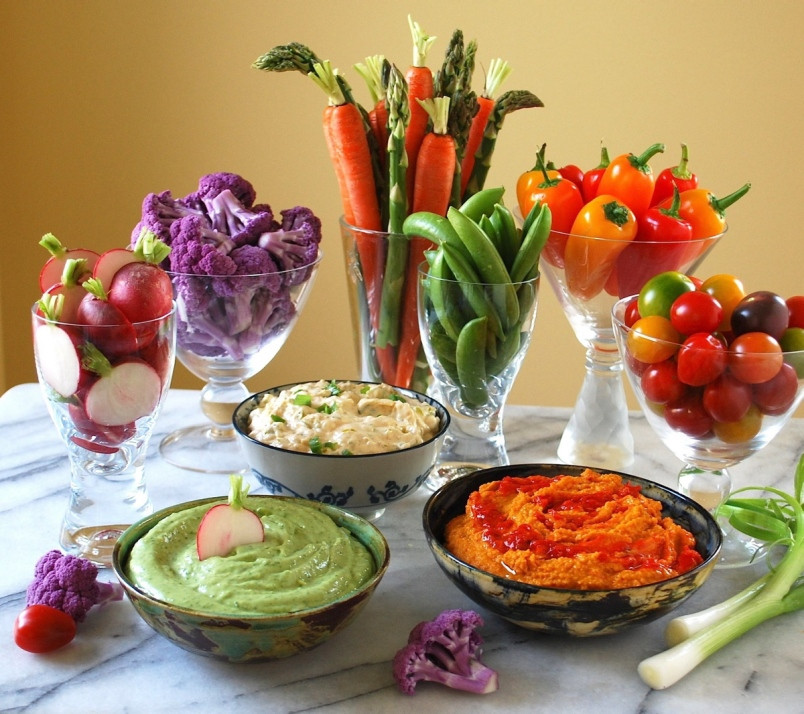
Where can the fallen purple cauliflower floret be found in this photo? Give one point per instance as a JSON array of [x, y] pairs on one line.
[[447, 651], [69, 584]]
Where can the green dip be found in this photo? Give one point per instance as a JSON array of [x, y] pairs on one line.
[[306, 561]]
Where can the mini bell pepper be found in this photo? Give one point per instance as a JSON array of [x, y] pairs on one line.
[[564, 199], [705, 211], [661, 244], [675, 176], [601, 231], [591, 178], [630, 179], [573, 173]]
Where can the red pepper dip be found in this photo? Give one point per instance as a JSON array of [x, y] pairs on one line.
[[586, 532]]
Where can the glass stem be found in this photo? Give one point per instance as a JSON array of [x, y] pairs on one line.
[[598, 433], [219, 397]]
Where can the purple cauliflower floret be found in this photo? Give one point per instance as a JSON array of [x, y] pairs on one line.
[[227, 215], [159, 212], [211, 185], [196, 249], [294, 242], [447, 651], [69, 584]]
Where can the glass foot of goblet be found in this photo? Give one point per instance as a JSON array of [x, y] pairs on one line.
[[710, 489]]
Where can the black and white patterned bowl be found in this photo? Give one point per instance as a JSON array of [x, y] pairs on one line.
[[363, 484], [578, 613]]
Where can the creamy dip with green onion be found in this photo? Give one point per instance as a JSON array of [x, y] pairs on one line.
[[306, 561], [342, 418]]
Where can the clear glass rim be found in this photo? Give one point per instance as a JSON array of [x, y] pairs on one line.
[[83, 326]]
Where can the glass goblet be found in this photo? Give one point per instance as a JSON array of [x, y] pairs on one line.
[[686, 425], [104, 386], [601, 271], [229, 327], [474, 364]]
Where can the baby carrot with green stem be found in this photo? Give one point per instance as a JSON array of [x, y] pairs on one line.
[[371, 70], [431, 192], [420, 86], [498, 71]]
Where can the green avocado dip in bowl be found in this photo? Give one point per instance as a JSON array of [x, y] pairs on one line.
[[313, 573]]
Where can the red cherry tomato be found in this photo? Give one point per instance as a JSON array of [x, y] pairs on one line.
[[695, 311], [631, 314], [755, 357], [701, 359], [795, 305], [688, 415], [777, 395], [661, 384], [738, 432], [41, 628], [727, 398]]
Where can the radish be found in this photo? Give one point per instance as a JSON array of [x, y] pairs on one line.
[[125, 391], [106, 327], [110, 262], [228, 525], [107, 436], [56, 355], [51, 272], [75, 271], [141, 291]]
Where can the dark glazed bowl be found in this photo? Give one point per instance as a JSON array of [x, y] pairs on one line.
[[578, 613], [251, 638]]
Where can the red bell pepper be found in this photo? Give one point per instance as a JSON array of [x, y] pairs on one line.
[[679, 176], [591, 179]]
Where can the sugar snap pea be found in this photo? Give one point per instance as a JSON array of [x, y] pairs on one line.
[[438, 292], [482, 203], [470, 358], [533, 241], [488, 263], [506, 350], [509, 236], [444, 347], [433, 227], [472, 288]]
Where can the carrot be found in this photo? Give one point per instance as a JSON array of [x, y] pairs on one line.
[[498, 71], [420, 86], [371, 70], [431, 192]]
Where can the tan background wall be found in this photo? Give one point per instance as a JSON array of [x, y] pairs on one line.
[[103, 102]]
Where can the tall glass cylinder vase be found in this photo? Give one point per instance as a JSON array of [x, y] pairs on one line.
[[383, 306], [104, 386]]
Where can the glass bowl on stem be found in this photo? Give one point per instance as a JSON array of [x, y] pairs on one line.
[[104, 386], [475, 359], [587, 283], [229, 327], [684, 421]]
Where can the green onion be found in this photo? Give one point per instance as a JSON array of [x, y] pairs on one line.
[[327, 408], [778, 519], [333, 388], [396, 398], [303, 400], [315, 445], [276, 417]]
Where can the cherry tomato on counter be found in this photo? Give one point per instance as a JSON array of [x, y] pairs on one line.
[[41, 628]]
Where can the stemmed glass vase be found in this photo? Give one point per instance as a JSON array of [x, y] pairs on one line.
[[104, 386], [686, 425], [474, 360], [228, 329], [598, 433]]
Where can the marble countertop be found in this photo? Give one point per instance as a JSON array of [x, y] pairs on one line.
[[117, 663]]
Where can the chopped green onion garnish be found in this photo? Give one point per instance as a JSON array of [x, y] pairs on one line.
[[276, 417], [333, 388], [315, 445], [327, 408], [303, 400]]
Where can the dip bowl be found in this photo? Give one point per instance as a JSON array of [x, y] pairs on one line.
[[253, 638], [363, 483], [577, 613]]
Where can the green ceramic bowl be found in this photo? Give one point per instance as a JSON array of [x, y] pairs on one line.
[[251, 638]]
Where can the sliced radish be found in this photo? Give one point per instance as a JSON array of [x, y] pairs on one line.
[[59, 362], [226, 526], [99, 434], [110, 262], [70, 287], [51, 272], [125, 391], [159, 354]]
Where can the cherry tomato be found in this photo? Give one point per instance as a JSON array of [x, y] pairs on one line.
[[795, 305], [727, 398], [631, 314], [755, 357], [661, 383], [660, 292], [777, 395], [688, 416], [738, 432], [695, 311], [41, 628], [652, 339], [728, 291], [701, 359], [761, 311]]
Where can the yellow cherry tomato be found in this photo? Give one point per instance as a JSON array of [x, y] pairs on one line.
[[728, 291], [653, 339]]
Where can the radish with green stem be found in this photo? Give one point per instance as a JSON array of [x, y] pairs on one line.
[[106, 326], [52, 270], [71, 288], [777, 518], [123, 392], [226, 526], [56, 354]]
